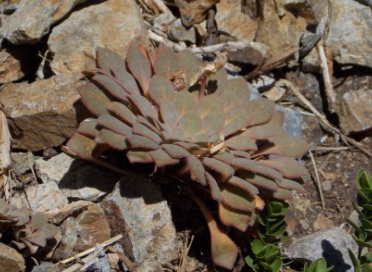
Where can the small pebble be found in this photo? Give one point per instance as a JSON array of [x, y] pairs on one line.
[[326, 185]]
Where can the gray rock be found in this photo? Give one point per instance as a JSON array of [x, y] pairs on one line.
[[44, 267], [33, 19], [14, 63], [178, 32], [10, 259], [21, 163], [137, 209], [264, 82], [110, 24], [76, 178], [350, 32], [331, 244], [45, 196], [292, 121], [162, 21]]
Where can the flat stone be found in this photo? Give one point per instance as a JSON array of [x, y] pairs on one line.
[[45, 112], [178, 32], [119, 23], [331, 244], [83, 231], [355, 111], [11, 68], [231, 20], [137, 209], [34, 18], [10, 259], [77, 179], [43, 197], [350, 32]]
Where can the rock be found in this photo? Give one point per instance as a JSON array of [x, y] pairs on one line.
[[322, 223], [178, 32], [74, 41], [194, 12], [264, 82], [355, 111], [311, 62], [82, 232], [77, 179], [162, 21], [331, 244], [14, 63], [292, 121], [45, 267], [137, 209], [149, 266], [10, 259], [43, 197], [21, 162], [45, 112], [33, 19], [231, 20], [348, 37]]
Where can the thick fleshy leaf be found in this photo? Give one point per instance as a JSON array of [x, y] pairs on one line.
[[223, 249], [260, 181], [175, 151], [210, 110], [254, 167], [139, 65], [241, 154], [191, 65], [147, 123], [217, 82], [127, 81], [88, 127], [112, 139], [190, 123], [169, 113], [241, 142], [144, 131], [291, 185], [122, 112], [261, 110], [95, 99], [234, 218], [85, 147], [282, 194], [236, 95], [267, 130], [288, 167], [213, 187], [185, 102], [136, 156], [161, 89], [243, 184], [137, 141], [111, 86], [196, 169], [235, 120], [224, 169], [225, 157], [114, 124], [144, 106], [109, 61], [161, 158], [236, 198], [167, 63], [285, 146]]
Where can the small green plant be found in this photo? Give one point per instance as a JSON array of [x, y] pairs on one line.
[[319, 265], [186, 119], [363, 233], [29, 230], [266, 257]]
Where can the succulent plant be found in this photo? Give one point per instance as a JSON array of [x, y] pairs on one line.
[[187, 119], [30, 230]]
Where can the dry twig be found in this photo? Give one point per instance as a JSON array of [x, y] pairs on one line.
[[317, 180]]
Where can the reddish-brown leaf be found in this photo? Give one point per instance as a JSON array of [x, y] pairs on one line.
[[143, 106], [260, 181], [241, 142], [224, 169], [261, 110], [291, 185], [137, 156], [141, 142], [114, 124], [88, 127], [234, 218], [196, 169], [161, 89], [213, 187], [169, 113], [167, 63], [122, 112], [254, 167], [288, 167], [236, 198], [95, 99], [85, 147], [244, 185], [144, 131], [112, 139], [285, 146], [175, 151], [111, 86], [161, 158]]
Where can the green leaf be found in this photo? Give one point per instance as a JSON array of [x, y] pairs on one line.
[[256, 168], [88, 127], [190, 123], [94, 98], [257, 247], [139, 65], [288, 167], [244, 185], [161, 158], [241, 142], [122, 112], [111, 86], [285, 146], [236, 198], [114, 124], [167, 63], [224, 169], [231, 217], [137, 156], [213, 187], [161, 89], [169, 113], [84, 146], [261, 110], [196, 170], [137, 141], [112, 139]]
